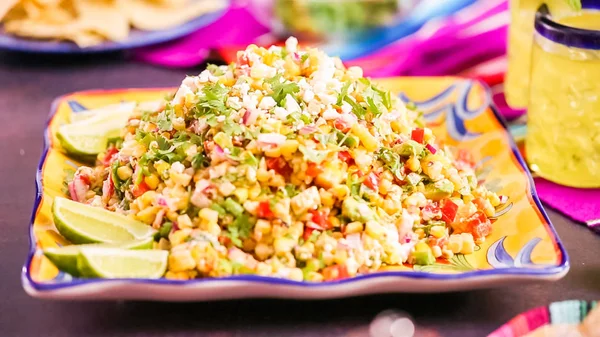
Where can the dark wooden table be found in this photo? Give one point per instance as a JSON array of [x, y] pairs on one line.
[[27, 86]]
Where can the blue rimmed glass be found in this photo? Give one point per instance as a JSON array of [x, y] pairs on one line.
[[563, 140]]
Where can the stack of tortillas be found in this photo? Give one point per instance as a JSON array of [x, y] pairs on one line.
[[90, 22]]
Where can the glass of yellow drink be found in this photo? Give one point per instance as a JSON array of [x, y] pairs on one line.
[[563, 139], [520, 32]]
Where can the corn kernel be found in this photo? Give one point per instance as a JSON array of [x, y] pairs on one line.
[[468, 244], [374, 229], [438, 231], [241, 194], [340, 257], [340, 191], [289, 147], [366, 138], [314, 277], [209, 215], [493, 198], [422, 247], [392, 207], [296, 274], [147, 215], [437, 251], [254, 191], [262, 175], [181, 260], [283, 245], [212, 228], [413, 164], [420, 233], [184, 221], [148, 197], [385, 186], [326, 198], [152, 181], [274, 152], [124, 172], [178, 237], [354, 227], [455, 243]]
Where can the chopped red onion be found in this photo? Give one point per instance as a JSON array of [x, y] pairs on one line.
[[353, 240], [307, 130], [250, 116], [271, 139], [431, 148]]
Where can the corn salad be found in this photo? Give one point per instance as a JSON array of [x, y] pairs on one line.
[[287, 164]]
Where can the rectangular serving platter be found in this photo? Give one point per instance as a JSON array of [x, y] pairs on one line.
[[523, 245]]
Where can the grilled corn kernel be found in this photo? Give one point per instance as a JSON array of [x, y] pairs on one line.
[[374, 229], [148, 197], [391, 207], [427, 134], [289, 147], [493, 198], [124, 172], [413, 164], [181, 260], [340, 191], [437, 251], [283, 245], [296, 274], [340, 257], [275, 152], [366, 138], [305, 251], [455, 243], [384, 186], [254, 191], [184, 221], [147, 215], [262, 175], [314, 277], [421, 233], [326, 198], [422, 247], [488, 209], [209, 215], [241, 194], [354, 227], [178, 237], [212, 228], [152, 181], [468, 244], [438, 231], [226, 188], [327, 258]]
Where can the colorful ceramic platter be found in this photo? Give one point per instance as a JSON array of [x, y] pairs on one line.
[[522, 247]]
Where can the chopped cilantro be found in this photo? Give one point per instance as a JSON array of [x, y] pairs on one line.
[[281, 88], [200, 161], [343, 93], [250, 159], [215, 69], [232, 128], [304, 57], [316, 156], [325, 139], [291, 190], [357, 109], [391, 160]]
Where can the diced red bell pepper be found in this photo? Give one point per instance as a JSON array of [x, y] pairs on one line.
[[140, 189], [346, 157], [372, 181], [279, 165], [320, 218], [417, 135], [479, 225], [108, 156], [336, 272], [341, 125], [224, 240], [313, 170], [449, 210], [264, 210]]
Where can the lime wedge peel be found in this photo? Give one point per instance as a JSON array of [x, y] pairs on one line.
[[125, 108], [65, 258], [121, 263], [80, 223]]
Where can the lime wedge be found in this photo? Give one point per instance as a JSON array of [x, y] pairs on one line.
[[65, 258], [89, 137], [122, 263], [80, 223], [124, 108]]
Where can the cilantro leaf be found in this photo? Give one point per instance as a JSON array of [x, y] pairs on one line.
[[251, 160], [325, 139], [232, 129], [282, 88], [343, 93], [316, 156], [391, 160], [200, 161], [357, 109]]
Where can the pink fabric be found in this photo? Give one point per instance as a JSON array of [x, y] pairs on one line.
[[236, 26], [582, 205]]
